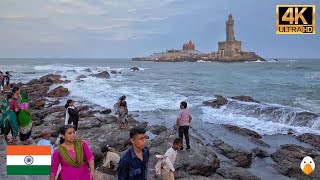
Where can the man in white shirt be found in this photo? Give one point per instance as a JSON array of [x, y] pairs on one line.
[[112, 158], [46, 134], [168, 171]]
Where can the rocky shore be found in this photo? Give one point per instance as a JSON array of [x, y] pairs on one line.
[[214, 158]]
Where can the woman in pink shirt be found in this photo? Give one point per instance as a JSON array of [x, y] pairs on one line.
[[74, 155]]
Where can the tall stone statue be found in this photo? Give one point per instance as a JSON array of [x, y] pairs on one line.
[[230, 29]]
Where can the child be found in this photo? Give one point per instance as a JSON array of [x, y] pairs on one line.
[[112, 158], [168, 172], [183, 122]]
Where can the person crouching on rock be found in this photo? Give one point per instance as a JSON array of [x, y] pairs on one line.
[[183, 122], [112, 158], [168, 171], [72, 114]]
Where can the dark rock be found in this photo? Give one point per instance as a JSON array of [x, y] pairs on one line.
[[242, 131], [66, 81], [36, 91], [304, 118], [104, 75], [259, 153], [217, 102], [288, 158], [114, 72], [106, 111], [259, 142], [81, 77], [73, 71], [59, 92], [33, 82], [157, 129], [50, 78], [89, 123], [242, 157], [245, 99], [236, 173], [38, 104], [311, 139], [134, 69], [108, 119], [87, 70]]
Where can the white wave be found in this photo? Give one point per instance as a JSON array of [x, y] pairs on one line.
[[312, 105], [220, 116]]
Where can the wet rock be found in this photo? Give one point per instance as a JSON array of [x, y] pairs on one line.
[[157, 129], [236, 173], [106, 111], [242, 157], [115, 72], [72, 71], [242, 131], [103, 75], [311, 139], [304, 118], [36, 91], [259, 142], [81, 77], [288, 158], [217, 102], [50, 78], [109, 119], [87, 70], [89, 123], [259, 153], [134, 69], [59, 92], [244, 99], [66, 81]]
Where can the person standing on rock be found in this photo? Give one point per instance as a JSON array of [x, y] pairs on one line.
[[24, 119], [133, 164], [13, 121], [122, 111], [5, 111], [183, 122], [1, 82], [74, 155], [168, 171], [7, 78], [72, 114]]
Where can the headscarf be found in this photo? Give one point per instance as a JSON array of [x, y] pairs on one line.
[[24, 97]]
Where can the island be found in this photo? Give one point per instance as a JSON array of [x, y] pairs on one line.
[[228, 51]]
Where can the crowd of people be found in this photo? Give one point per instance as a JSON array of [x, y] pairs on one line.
[[5, 81], [72, 157]]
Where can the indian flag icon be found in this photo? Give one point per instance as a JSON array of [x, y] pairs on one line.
[[28, 160]]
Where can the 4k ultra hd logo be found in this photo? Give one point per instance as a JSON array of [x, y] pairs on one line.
[[296, 19]]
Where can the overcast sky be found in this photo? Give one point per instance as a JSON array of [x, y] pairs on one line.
[[130, 28]]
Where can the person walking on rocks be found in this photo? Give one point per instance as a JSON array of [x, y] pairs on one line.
[[133, 164], [183, 122], [24, 119], [1, 82], [121, 109], [72, 114], [168, 171], [7, 78]]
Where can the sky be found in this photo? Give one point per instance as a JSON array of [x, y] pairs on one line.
[[135, 28]]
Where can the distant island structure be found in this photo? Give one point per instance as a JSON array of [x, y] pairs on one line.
[[228, 51]]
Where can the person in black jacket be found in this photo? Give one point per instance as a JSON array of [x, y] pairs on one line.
[[72, 113]]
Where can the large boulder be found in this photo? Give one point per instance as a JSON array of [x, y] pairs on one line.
[[242, 131], [157, 129], [50, 78], [81, 77], [217, 102], [242, 157], [199, 161], [33, 82], [288, 158], [244, 99], [59, 92], [38, 104], [311, 139], [103, 75]]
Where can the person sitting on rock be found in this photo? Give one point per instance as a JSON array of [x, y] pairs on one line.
[[44, 141], [168, 171], [112, 158]]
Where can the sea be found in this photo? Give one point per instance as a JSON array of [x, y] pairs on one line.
[[284, 89]]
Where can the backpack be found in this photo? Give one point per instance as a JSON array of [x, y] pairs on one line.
[[161, 162]]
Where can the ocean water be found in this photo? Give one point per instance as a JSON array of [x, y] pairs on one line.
[[284, 88]]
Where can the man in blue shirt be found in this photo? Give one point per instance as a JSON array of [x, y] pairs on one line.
[[134, 163]]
